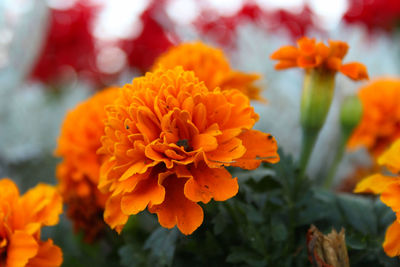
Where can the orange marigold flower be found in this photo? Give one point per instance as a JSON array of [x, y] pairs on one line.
[[380, 123], [78, 173], [21, 218], [389, 189], [211, 66], [167, 140], [309, 54]]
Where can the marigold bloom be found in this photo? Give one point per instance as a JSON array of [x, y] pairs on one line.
[[167, 140], [211, 66], [21, 218], [389, 189], [380, 123], [309, 54], [78, 173]]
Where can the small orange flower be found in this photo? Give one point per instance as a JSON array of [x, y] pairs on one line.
[[380, 123], [21, 218], [167, 140], [389, 188], [211, 66], [309, 54], [78, 173]]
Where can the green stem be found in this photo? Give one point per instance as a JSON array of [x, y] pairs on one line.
[[335, 164], [309, 140], [318, 89]]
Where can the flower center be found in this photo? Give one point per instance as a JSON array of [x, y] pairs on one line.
[[185, 144]]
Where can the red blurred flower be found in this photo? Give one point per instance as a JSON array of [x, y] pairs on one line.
[[152, 41], [69, 43], [374, 14], [223, 28]]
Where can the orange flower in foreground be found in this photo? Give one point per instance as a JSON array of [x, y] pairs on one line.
[[78, 173], [21, 218], [168, 139], [380, 123], [211, 66], [309, 55], [389, 188]]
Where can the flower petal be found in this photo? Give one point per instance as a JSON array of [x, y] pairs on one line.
[[42, 204], [375, 184], [177, 209], [113, 214], [355, 71], [205, 142], [391, 245], [210, 183], [391, 157], [8, 190], [260, 147], [391, 195], [22, 247], [287, 53], [49, 255], [146, 191]]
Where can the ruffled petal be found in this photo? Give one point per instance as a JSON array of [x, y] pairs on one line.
[[391, 245], [42, 204], [260, 147], [210, 183], [285, 64], [22, 248], [287, 53], [375, 184], [391, 196], [177, 209], [391, 157], [355, 71], [49, 255], [147, 191], [8, 190], [113, 214]]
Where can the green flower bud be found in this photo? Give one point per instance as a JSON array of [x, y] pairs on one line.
[[318, 89], [350, 114]]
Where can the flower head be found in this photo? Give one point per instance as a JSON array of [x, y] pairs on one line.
[[389, 189], [167, 140], [78, 173], [21, 218], [211, 66], [312, 55], [380, 123]]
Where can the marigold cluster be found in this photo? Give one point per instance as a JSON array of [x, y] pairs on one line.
[[380, 123], [389, 189], [167, 141], [312, 55], [211, 66], [78, 173], [21, 218]]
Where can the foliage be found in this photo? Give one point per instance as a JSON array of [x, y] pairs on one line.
[[265, 225]]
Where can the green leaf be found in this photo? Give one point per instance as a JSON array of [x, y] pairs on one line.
[[132, 256], [358, 212], [278, 230], [241, 255], [162, 243]]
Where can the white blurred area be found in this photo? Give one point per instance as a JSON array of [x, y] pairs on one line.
[[120, 18]]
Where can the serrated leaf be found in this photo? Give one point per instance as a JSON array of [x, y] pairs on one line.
[[130, 256], [359, 213], [278, 230], [162, 243]]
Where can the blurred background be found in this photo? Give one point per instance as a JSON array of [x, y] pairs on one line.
[[55, 53]]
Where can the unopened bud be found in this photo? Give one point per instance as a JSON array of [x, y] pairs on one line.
[[350, 114]]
